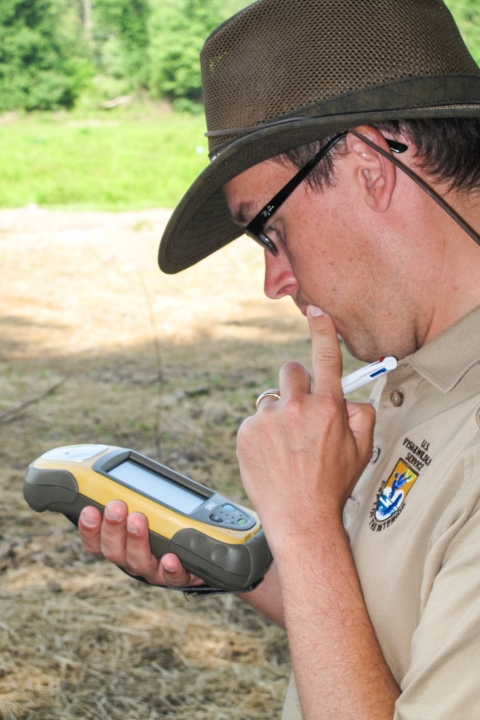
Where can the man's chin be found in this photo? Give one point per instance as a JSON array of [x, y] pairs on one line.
[[357, 347]]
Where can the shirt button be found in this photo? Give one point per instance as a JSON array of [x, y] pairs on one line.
[[396, 398], [375, 454]]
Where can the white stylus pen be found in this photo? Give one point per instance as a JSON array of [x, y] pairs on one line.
[[367, 374]]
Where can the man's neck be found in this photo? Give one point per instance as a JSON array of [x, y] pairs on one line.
[[458, 291]]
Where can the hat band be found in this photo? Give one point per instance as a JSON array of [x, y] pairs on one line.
[[252, 128]]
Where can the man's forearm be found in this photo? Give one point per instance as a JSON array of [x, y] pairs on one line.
[[300, 456], [339, 667], [266, 597]]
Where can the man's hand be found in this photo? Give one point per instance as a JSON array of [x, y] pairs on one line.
[[301, 456], [123, 539]]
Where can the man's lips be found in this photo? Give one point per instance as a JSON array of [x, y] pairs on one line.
[[302, 303]]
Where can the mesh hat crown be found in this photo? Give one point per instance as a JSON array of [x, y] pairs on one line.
[[283, 73]]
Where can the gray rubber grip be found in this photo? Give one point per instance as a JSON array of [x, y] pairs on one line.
[[57, 490], [209, 558], [49, 489]]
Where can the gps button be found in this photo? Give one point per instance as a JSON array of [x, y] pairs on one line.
[[216, 518], [228, 507]]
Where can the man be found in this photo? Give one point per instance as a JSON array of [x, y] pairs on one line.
[[376, 544]]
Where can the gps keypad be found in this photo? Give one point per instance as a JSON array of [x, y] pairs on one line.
[[217, 510], [228, 514]]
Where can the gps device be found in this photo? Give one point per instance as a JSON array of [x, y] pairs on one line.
[[217, 540]]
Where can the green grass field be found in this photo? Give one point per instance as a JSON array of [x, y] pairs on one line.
[[100, 164], [119, 161]]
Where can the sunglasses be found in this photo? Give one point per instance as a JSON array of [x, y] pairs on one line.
[[256, 227]]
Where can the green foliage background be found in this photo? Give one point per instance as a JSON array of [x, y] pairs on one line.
[[128, 158], [43, 56], [177, 31], [55, 53], [467, 17]]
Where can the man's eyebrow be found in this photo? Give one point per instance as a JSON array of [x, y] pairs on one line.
[[243, 214]]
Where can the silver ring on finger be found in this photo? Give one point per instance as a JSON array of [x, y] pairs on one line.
[[267, 393]]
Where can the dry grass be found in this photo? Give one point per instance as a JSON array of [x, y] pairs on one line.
[[99, 346]]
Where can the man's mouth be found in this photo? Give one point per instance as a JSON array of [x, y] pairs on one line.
[[302, 303]]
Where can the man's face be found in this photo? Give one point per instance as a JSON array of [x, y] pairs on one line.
[[334, 253]]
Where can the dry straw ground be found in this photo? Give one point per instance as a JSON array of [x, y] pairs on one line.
[[98, 346]]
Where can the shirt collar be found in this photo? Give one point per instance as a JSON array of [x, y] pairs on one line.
[[448, 357]]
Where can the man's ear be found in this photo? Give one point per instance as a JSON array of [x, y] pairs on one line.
[[375, 175]]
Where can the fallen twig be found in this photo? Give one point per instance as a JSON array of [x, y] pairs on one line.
[[12, 414]]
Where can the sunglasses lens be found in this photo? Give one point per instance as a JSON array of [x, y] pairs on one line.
[[262, 240], [269, 245]]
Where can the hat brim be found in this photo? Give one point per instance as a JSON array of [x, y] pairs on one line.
[[202, 223]]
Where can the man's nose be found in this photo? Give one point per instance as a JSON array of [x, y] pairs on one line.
[[280, 279]]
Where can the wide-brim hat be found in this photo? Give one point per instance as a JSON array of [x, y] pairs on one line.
[[283, 73]]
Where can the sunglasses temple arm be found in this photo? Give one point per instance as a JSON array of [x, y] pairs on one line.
[[286, 191], [430, 191]]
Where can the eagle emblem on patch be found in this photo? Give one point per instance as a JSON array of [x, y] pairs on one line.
[[390, 499]]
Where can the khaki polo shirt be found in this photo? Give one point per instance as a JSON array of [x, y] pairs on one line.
[[414, 524]]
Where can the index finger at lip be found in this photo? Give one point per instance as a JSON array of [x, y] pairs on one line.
[[327, 362]]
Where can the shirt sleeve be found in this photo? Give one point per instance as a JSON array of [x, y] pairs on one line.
[[443, 679]]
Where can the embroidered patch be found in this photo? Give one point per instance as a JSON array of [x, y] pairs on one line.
[[390, 498]]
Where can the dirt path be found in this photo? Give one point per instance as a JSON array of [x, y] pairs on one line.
[[98, 345]]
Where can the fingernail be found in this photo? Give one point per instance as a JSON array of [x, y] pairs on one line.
[[169, 571], [111, 515], [89, 521], [314, 311], [132, 529]]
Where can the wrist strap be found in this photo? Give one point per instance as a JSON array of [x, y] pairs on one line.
[[199, 591]]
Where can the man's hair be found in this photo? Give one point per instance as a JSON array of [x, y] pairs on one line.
[[446, 149]]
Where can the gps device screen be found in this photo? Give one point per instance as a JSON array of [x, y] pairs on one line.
[[157, 487]]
